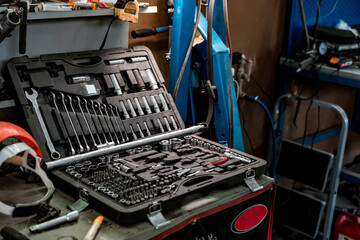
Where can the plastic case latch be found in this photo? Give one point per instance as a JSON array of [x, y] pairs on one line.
[[155, 216], [251, 181], [82, 202]]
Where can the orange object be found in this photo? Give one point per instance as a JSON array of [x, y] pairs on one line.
[[99, 220], [8, 130], [334, 60], [95, 226]]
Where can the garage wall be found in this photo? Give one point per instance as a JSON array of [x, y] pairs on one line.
[[257, 29]]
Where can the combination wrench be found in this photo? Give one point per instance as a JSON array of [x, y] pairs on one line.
[[121, 122], [71, 123], [96, 133], [117, 124], [33, 99], [57, 108], [77, 121], [105, 123], [86, 122], [111, 123], [103, 131]]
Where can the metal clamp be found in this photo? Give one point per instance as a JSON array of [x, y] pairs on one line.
[[82, 202], [251, 181], [155, 216]]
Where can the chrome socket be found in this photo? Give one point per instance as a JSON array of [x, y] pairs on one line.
[[165, 145], [187, 139], [176, 143]]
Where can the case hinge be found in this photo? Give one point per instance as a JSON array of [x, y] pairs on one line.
[[82, 202], [156, 217], [251, 181]]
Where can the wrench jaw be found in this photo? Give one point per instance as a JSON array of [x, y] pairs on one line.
[[32, 97], [55, 155]]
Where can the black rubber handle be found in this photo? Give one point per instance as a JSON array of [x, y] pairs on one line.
[[23, 28], [143, 32]]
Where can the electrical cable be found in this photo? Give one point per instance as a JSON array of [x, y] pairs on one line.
[[245, 131], [272, 133], [209, 40], [306, 122], [106, 34], [262, 90], [183, 67], [332, 10], [255, 99], [228, 38], [237, 90], [317, 129]]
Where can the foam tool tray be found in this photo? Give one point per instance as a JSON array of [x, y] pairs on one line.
[[93, 100], [111, 134]]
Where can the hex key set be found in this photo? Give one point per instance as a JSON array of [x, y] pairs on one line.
[[109, 131]]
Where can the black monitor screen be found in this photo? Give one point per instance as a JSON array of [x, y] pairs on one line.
[[304, 165]]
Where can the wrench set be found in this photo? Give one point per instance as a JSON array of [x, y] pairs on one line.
[[111, 134], [82, 102]]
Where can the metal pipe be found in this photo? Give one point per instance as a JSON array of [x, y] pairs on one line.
[[81, 157], [303, 20]]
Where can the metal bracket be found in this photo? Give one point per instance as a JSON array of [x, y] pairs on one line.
[[155, 216], [82, 202], [251, 181]]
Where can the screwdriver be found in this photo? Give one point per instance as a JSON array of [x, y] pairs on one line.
[[218, 160]]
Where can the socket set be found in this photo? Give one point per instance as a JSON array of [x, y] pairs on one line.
[[124, 184], [110, 133]]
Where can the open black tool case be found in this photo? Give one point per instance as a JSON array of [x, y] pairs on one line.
[[115, 137]]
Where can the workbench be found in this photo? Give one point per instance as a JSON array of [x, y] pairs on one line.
[[193, 205]]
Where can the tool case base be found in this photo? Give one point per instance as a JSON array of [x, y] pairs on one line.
[[112, 136]]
